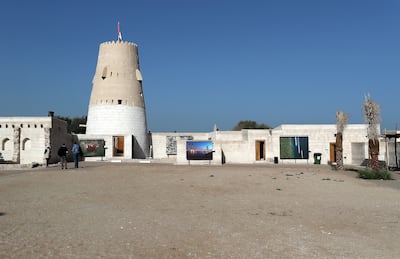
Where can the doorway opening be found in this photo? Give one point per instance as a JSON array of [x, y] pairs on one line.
[[332, 153], [118, 146], [260, 150]]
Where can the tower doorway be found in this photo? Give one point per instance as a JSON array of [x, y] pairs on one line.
[[118, 146], [260, 150]]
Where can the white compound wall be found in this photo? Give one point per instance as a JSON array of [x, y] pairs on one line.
[[240, 147]]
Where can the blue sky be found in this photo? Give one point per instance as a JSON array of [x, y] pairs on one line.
[[208, 62]]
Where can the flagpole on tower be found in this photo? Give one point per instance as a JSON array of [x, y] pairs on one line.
[[119, 33]]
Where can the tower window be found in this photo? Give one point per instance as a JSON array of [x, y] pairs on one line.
[[104, 75]]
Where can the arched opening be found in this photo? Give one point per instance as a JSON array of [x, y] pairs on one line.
[[26, 144], [5, 143]]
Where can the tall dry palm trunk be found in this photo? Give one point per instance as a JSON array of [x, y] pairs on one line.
[[341, 121], [373, 148], [339, 151], [372, 117]]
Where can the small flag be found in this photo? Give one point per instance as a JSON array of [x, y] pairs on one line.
[[119, 33]]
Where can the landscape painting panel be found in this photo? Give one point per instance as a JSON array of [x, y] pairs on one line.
[[199, 150], [92, 147], [294, 147]]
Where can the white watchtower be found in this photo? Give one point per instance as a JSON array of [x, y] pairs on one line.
[[117, 110]]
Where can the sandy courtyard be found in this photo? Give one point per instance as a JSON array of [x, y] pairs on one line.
[[133, 210]]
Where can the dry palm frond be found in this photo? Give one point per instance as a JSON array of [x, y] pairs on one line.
[[341, 121], [372, 117]]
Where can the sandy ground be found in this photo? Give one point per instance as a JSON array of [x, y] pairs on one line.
[[110, 210]]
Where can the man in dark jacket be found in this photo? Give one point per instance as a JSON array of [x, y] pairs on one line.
[[62, 153]]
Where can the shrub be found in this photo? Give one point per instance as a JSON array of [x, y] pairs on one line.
[[374, 175]]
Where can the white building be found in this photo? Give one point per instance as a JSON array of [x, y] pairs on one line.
[[23, 139], [278, 145]]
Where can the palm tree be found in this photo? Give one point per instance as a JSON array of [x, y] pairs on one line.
[[372, 117], [341, 122]]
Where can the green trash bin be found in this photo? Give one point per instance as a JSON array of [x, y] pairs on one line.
[[317, 158]]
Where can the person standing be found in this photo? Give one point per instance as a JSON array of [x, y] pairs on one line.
[[75, 153], [47, 155], [62, 153]]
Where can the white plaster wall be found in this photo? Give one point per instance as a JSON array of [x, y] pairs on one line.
[[7, 146], [240, 146], [119, 120], [33, 149], [355, 134], [235, 151], [33, 137], [389, 152], [228, 135], [115, 120], [320, 137], [31, 132], [159, 143]]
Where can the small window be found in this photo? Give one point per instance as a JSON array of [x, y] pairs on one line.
[[29, 125], [41, 125], [35, 126], [6, 125], [139, 75], [104, 75], [119, 101], [21, 125]]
